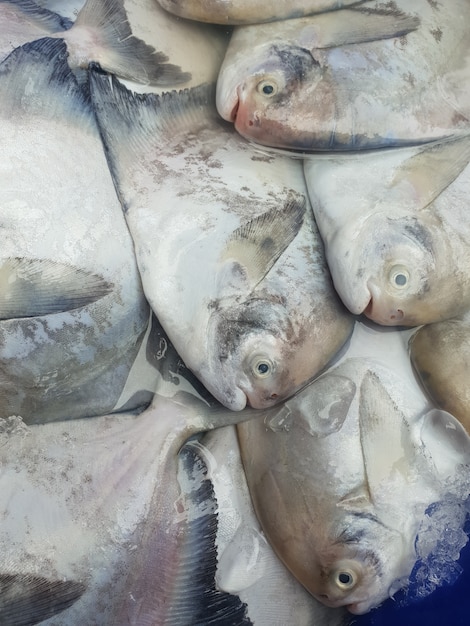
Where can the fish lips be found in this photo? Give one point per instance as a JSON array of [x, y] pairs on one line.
[[382, 310]]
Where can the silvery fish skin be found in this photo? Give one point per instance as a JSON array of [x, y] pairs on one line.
[[396, 230], [440, 354], [100, 33], [233, 261], [352, 79], [249, 11], [111, 503], [73, 315], [343, 511], [246, 564]]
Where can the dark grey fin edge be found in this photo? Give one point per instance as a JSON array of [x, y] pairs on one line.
[[52, 21]]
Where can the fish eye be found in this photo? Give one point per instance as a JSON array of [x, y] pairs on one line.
[[344, 579], [399, 276], [267, 88], [262, 367]]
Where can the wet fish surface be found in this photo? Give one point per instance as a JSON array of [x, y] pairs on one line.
[[73, 315], [440, 354], [381, 74], [344, 510], [100, 32], [249, 11], [396, 230], [233, 259], [138, 505]]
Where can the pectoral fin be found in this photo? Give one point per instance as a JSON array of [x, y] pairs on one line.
[[36, 287], [433, 168], [380, 425], [351, 26], [26, 599], [257, 245]]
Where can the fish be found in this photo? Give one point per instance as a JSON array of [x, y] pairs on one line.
[[226, 244], [100, 32], [341, 476], [138, 504], [249, 11], [395, 228], [440, 354], [246, 564], [73, 315], [377, 75]]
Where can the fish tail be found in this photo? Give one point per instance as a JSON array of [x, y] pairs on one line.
[[119, 51]]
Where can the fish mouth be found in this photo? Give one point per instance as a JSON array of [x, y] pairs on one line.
[[359, 608], [227, 106], [234, 111], [380, 311]]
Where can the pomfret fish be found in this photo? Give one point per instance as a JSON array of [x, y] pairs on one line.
[[440, 354], [100, 32], [246, 563], [396, 229], [226, 245], [73, 315], [249, 11], [373, 76], [342, 475], [107, 502]]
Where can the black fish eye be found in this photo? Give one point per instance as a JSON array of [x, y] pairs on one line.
[[399, 276], [345, 580], [262, 367], [267, 87]]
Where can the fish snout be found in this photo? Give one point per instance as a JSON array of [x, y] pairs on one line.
[[227, 99], [383, 311]]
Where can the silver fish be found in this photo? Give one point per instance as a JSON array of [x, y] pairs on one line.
[[359, 78], [440, 354], [396, 230], [100, 33], [226, 245], [110, 502], [73, 315], [246, 563], [249, 11], [342, 474]]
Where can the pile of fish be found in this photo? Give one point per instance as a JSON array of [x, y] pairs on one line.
[[209, 215]]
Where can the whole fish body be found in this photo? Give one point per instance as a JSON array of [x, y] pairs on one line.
[[249, 11], [342, 475], [366, 77], [246, 564], [100, 33], [396, 229], [440, 354], [73, 315], [232, 259], [113, 514]]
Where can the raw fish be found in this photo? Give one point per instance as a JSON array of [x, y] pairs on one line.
[[440, 354], [249, 11], [246, 564], [229, 254], [104, 502], [100, 33], [73, 315], [342, 475], [396, 229], [378, 75]]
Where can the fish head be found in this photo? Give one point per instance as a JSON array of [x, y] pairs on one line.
[[255, 353], [272, 96], [356, 563], [390, 271]]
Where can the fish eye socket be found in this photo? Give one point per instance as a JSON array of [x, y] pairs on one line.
[[262, 367], [267, 88], [399, 276]]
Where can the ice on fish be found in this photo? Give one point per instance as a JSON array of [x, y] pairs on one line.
[[233, 259], [347, 529]]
